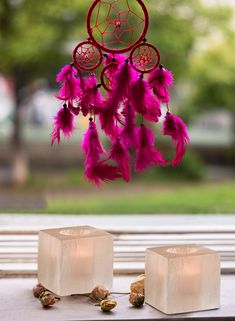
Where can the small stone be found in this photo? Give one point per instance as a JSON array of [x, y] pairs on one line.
[[138, 285], [47, 298], [38, 289], [107, 305], [99, 293], [136, 299]]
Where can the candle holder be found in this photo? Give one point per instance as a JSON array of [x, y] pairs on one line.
[[182, 278], [73, 260]]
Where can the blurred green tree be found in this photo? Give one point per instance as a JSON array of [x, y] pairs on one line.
[[213, 72], [34, 36], [213, 86], [177, 26]]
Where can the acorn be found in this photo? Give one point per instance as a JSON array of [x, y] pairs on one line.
[[47, 298], [99, 293], [107, 305], [38, 289], [136, 299]]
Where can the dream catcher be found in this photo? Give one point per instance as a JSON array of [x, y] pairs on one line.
[[135, 85]]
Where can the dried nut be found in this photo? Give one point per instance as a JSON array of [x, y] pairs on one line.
[[99, 293], [138, 285], [47, 298], [136, 299], [107, 305], [38, 289]]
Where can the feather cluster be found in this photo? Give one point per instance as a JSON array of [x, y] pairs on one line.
[[96, 170], [129, 132], [70, 85], [63, 122], [143, 101], [90, 99], [119, 93], [147, 154], [131, 99], [119, 153], [160, 80]]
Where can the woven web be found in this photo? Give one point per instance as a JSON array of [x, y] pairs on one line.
[[144, 58], [117, 24], [87, 56]]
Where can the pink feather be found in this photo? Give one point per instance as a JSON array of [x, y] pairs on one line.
[[144, 101], [119, 93], [55, 135], [120, 155], [160, 80], [153, 108], [70, 85], [96, 170], [101, 172], [137, 95], [175, 127], [91, 99], [129, 132], [63, 121], [125, 74], [108, 123], [91, 144], [65, 72], [147, 154], [117, 58], [74, 110]]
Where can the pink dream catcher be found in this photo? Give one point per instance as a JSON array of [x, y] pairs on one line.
[[117, 32]]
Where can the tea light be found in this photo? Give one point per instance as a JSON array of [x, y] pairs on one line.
[[182, 278], [74, 260], [188, 269]]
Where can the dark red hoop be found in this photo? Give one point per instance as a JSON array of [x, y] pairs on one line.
[[113, 50], [108, 67], [141, 67], [98, 55]]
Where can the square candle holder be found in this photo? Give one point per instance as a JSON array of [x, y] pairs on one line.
[[74, 260], [182, 278]]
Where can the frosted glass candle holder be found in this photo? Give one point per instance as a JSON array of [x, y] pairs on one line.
[[182, 278], [74, 260]]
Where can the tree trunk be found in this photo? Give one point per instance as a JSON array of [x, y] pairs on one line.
[[19, 165]]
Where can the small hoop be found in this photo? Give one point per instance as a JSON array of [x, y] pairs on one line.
[[87, 56], [107, 74], [144, 57]]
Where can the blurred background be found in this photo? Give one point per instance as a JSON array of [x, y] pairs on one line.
[[197, 42]]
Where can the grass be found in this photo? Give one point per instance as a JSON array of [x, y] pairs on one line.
[[177, 198]]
